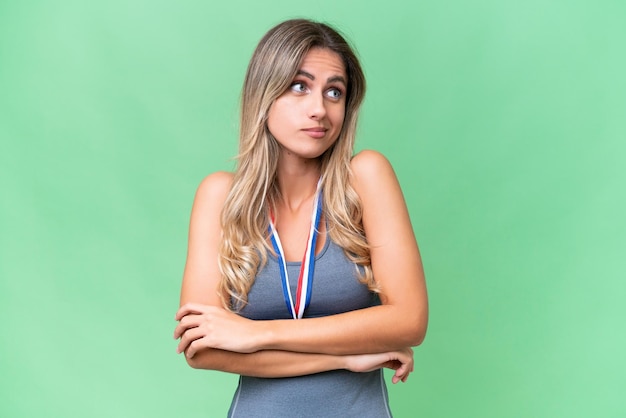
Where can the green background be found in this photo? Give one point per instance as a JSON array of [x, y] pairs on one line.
[[505, 121]]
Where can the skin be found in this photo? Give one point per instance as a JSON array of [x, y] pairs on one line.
[[306, 120]]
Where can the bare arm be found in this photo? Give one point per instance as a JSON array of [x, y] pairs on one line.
[[274, 364], [265, 363], [199, 294], [401, 320]]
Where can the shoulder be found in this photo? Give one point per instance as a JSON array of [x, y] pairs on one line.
[[371, 169], [215, 185], [368, 158], [212, 193]]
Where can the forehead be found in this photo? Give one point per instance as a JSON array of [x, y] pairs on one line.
[[323, 60]]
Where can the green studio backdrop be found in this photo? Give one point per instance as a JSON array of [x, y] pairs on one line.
[[505, 121]]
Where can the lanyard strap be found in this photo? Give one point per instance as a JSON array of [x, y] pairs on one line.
[[305, 278]]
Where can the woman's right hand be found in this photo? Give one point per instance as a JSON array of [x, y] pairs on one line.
[[401, 361]]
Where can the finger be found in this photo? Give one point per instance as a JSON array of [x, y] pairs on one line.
[[401, 371], [405, 375], [408, 373], [185, 323], [190, 308], [196, 346], [399, 376], [181, 327], [188, 337]]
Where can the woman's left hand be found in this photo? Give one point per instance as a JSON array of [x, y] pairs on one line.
[[401, 361], [204, 326]]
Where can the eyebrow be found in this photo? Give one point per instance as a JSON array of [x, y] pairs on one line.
[[333, 79]]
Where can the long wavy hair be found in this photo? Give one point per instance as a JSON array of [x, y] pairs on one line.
[[245, 215]]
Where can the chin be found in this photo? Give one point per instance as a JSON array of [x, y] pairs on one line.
[[305, 154]]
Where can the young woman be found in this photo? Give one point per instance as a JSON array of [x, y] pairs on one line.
[[303, 230]]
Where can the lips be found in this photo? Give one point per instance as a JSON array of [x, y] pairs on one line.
[[316, 132]]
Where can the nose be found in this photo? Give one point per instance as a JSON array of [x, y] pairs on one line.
[[316, 106]]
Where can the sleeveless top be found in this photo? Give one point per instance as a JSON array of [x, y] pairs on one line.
[[336, 393]]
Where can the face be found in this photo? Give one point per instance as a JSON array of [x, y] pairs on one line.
[[307, 118]]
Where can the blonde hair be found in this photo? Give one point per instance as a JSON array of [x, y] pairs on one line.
[[245, 215]]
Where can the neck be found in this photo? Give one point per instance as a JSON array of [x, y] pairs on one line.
[[297, 181]]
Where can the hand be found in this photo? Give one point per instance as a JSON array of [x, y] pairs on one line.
[[401, 361], [204, 326]]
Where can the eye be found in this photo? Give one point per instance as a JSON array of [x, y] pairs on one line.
[[334, 93], [298, 87]]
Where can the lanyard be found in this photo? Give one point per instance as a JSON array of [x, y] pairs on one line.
[[305, 278]]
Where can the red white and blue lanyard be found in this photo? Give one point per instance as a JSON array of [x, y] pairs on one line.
[[305, 278]]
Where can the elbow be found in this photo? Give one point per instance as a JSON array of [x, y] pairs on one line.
[[415, 337], [418, 336], [201, 360], [193, 362], [416, 332]]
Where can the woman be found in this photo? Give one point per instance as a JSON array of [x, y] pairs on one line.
[[358, 294]]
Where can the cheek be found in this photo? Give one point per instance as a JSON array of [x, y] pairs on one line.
[[274, 118], [339, 116]]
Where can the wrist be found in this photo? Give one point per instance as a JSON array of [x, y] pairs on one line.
[[346, 362], [265, 336]]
